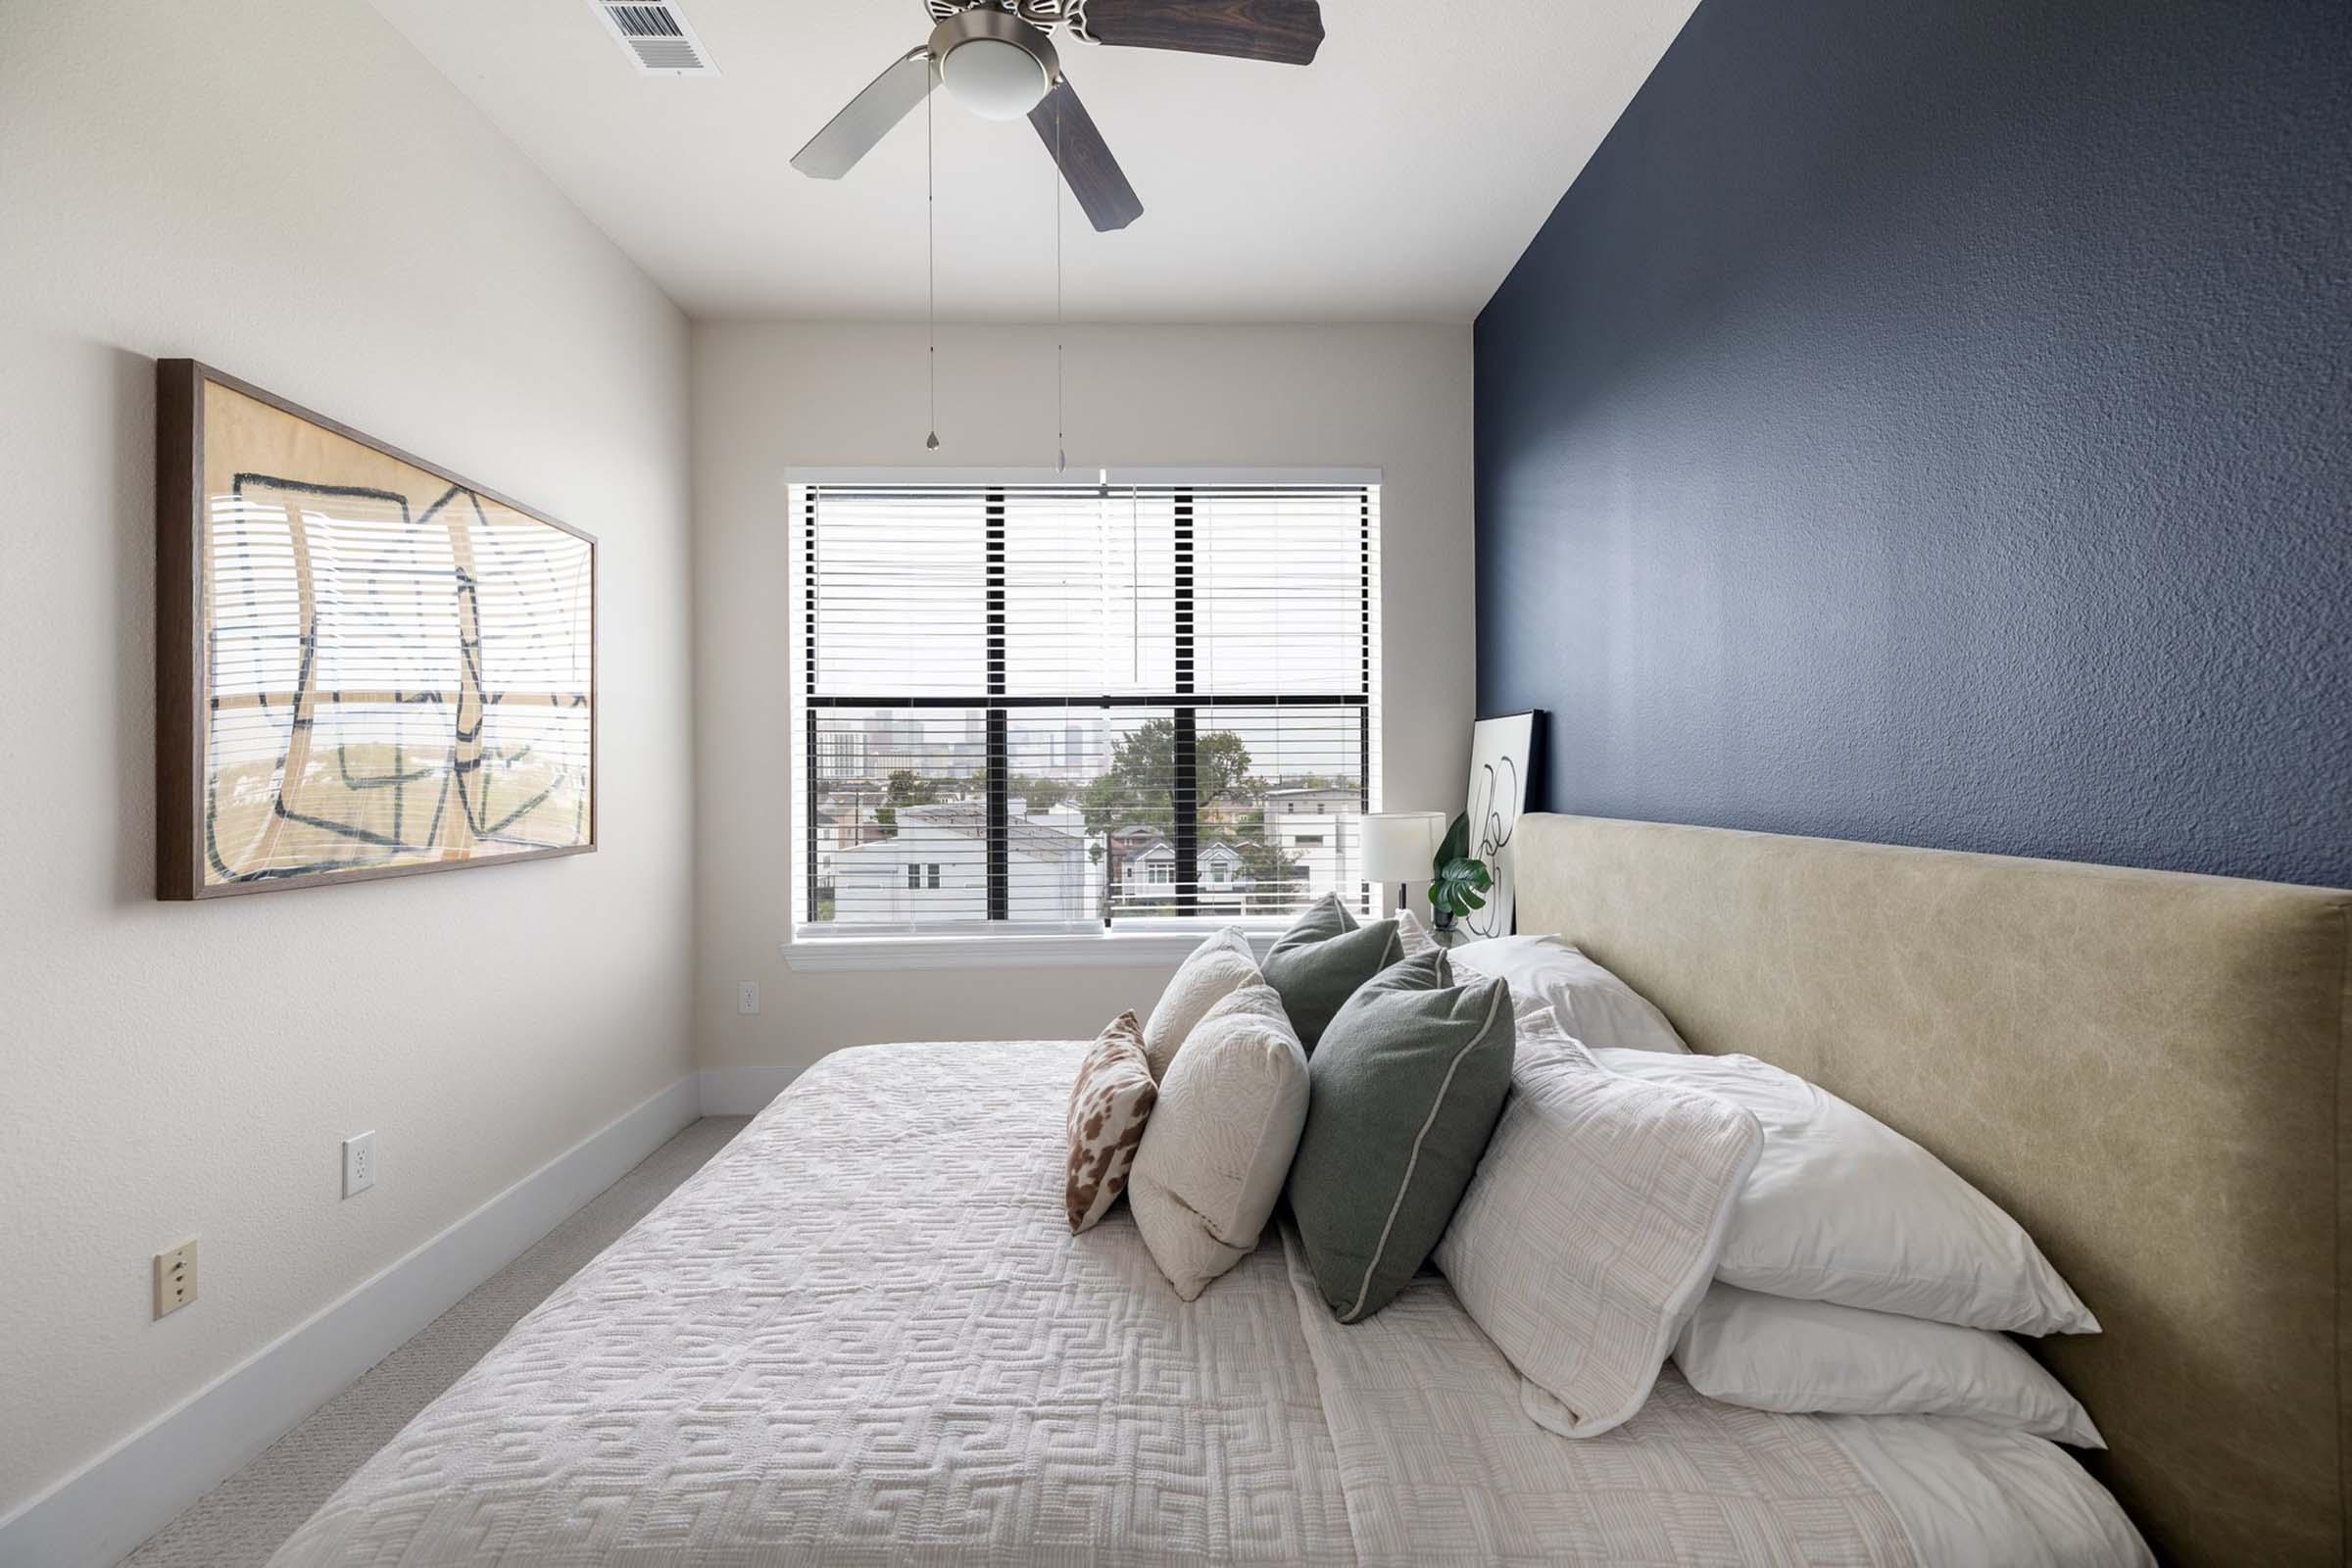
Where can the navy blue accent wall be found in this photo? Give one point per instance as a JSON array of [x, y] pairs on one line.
[[1930, 421]]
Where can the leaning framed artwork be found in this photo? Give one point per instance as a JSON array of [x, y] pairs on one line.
[[367, 666], [1505, 754]]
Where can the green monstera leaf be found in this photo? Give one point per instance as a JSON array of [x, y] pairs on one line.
[[1458, 880]]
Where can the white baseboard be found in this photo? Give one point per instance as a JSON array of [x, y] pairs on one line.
[[743, 1091], [120, 1499]]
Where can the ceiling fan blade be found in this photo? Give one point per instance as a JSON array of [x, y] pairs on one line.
[[1068, 132], [1285, 31], [851, 134]]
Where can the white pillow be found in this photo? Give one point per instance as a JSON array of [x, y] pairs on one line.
[[1592, 1226], [1590, 1004], [1767, 1352], [1844, 1208], [1211, 972], [1221, 1139]]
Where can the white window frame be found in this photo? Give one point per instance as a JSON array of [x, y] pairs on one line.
[[1132, 942]]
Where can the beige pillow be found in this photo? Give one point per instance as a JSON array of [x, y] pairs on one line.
[[1592, 1226], [1215, 969], [1109, 1105], [1220, 1140]]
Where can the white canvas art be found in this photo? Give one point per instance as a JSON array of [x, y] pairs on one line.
[[1502, 759]]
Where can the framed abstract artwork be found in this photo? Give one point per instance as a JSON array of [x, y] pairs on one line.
[[366, 665], [1505, 754]]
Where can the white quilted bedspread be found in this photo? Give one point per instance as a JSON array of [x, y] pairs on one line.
[[863, 1334]]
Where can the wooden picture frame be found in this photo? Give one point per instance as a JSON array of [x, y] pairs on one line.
[[320, 589]]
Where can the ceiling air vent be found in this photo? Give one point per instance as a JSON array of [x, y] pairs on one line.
[[652, 35]]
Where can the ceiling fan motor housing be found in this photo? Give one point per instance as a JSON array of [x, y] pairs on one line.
[[995, 65]]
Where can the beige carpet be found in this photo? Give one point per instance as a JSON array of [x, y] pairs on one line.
[[241, 1521]]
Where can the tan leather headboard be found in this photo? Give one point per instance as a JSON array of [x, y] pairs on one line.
[[2146, 1068]]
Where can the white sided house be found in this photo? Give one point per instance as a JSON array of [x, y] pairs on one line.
[[935, 869], [1319, 830]]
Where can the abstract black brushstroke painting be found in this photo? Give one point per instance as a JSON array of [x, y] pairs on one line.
[[1503, 755], [369, 666]]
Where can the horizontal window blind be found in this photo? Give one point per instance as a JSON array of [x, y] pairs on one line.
[[1059, 707]]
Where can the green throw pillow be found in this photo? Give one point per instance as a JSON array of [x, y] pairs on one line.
[[1316, 964], [1402, 1097]]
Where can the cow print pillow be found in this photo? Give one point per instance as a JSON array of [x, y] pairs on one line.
[[1110, 1103]]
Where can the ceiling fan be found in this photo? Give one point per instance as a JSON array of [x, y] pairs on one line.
[[996, 57]]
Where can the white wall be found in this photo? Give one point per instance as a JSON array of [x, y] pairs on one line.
[[768, 396], [285, 189]]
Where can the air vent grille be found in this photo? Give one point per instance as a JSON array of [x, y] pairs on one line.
[[657, 39], [644, 21]]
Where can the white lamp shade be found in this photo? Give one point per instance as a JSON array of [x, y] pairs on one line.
[[1399, 845]]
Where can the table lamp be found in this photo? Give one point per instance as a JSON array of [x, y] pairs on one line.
[[1399, 847]]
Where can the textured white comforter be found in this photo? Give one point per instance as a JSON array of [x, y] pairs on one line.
[[863, 1335]]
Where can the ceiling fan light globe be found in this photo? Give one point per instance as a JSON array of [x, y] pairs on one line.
[[993, 78]]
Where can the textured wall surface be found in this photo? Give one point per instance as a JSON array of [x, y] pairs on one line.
[[284, 189], [1933, 424]]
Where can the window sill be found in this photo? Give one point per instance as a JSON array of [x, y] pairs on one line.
[[1106, 950]]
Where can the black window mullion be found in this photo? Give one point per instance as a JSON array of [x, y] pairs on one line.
[[1000, 749], [1183, 750]]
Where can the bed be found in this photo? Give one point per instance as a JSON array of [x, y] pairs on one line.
[[863, 1333]]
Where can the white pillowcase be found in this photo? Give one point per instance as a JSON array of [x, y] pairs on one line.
[[1844, 1208], [1767, 1352], [1211, 972], [1589, 1004], [1592, 1226], [1221, 1139]]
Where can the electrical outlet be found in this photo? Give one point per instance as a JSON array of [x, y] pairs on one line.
[[359, 1163], [175, 1277], [746, 997]]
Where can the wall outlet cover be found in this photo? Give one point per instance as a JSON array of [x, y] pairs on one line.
[[746, 997], [359, 1163], [174, 1277]]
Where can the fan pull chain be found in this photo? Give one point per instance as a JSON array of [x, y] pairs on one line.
[[931, 255], [1061, 451]]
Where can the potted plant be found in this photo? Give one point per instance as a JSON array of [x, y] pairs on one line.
[[1458, 880]]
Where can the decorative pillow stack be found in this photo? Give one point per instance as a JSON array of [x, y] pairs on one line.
[[1109, 1105], [1796, 1254], [1407, 1083], [1844, 1208], [1592, 1225], [1862, 1275], [1318, 963], [1119, 1081], [1220, 1140]]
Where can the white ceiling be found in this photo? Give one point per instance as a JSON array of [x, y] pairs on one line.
[[1395, 180]]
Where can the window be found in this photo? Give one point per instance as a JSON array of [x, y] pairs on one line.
[[1095, 705]]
